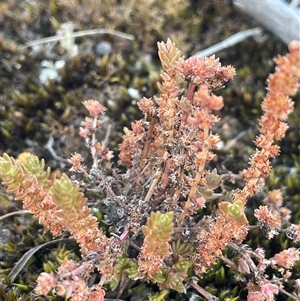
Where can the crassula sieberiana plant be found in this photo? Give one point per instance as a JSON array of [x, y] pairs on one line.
[[157, 231]]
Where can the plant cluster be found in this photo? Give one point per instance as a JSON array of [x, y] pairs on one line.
[[154, 206]]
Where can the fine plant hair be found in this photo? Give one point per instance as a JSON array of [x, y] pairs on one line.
[[154, 203]]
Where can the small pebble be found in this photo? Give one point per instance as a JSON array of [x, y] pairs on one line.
[[103, 48]]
